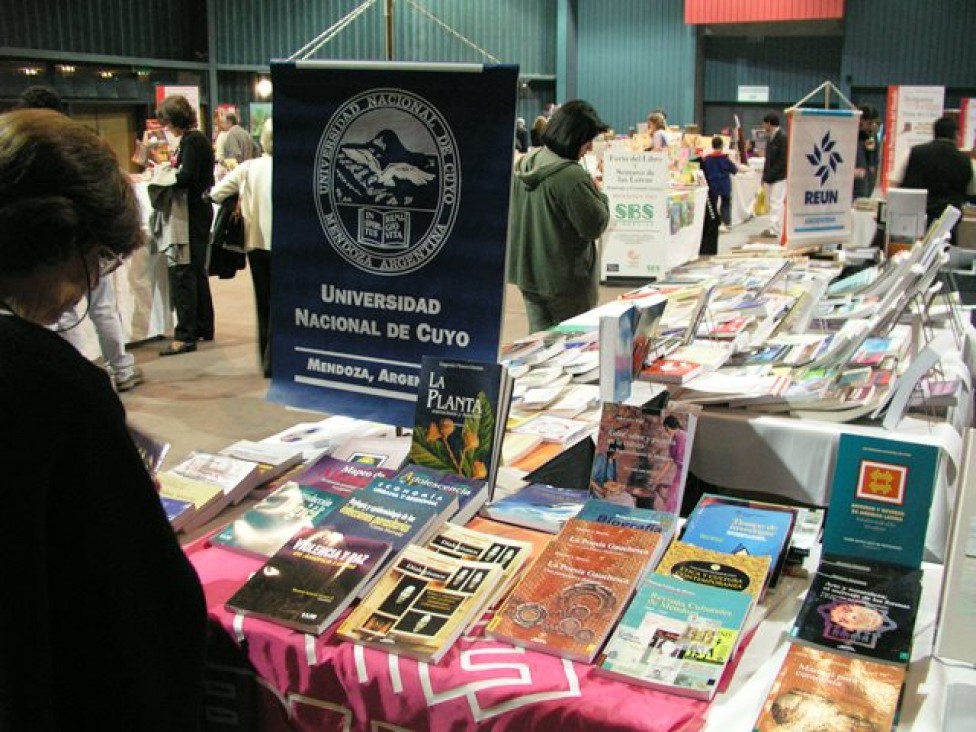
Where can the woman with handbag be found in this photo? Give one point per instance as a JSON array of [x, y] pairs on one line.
[[193, 162], [251, 181]]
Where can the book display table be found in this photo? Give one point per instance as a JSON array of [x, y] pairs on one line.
[[794, 458], [323, 683]]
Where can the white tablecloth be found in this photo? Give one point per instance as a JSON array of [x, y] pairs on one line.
[[744, 189], [794, 458]]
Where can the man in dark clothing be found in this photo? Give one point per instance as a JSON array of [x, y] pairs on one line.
[[867, 156], [941, 169], [774, 174]]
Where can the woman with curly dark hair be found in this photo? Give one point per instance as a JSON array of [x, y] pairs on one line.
[[103, 619]]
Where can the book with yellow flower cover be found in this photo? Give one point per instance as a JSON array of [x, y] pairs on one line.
[[459, 421]]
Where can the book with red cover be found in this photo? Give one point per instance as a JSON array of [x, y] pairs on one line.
[[573, 595], [339, 476], [671, 371]]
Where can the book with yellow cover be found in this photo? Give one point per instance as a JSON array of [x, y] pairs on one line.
[[421, 604], [736, 572], [570, 599], [819, 689]]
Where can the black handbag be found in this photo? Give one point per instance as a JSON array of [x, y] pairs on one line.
[[227, 240]]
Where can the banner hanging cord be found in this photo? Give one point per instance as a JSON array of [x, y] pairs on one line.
[[448, 29], [329, 33]]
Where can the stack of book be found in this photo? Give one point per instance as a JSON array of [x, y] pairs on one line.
[[422, 603], [852, 638], [575, 592]]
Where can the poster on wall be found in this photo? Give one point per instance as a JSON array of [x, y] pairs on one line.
[[390, 232], [635, 242], [820, 177], [967, 123], [192, 94], [259, 112], [911, 111]]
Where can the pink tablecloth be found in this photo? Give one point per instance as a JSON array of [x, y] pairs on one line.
[[321, 683]]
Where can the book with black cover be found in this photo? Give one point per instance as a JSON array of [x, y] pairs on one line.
[[862, 607], [308, 583], [569, 469]]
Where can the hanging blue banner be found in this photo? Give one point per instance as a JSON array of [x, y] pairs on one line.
[[391, 197]]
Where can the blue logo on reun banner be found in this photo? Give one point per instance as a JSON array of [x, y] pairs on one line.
[[825, 160]]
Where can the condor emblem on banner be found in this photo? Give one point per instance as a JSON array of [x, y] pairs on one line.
[[387, 181]]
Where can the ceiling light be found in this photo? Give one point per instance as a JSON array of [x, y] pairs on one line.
[[263, 88]]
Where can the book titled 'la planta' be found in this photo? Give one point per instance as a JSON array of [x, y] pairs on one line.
[[459, 420]]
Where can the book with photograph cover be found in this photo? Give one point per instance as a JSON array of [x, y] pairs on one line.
[[567, 603], [818, 689], [880, 499], [860, 607], [311, 580], [642, 456], [676, 636], [421, 604], [537, 506], [465, 542], [460, 417], [265, 527]]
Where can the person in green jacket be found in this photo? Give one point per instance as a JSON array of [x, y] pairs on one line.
[[557, 212]]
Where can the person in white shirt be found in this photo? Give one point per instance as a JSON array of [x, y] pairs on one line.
[[251, 181]]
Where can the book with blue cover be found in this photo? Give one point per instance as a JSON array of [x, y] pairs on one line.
[[471, 493], [740, 526], [616, 350], [676, 636], [393, 512], [265, 527], [880, 499], [538, 506]]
